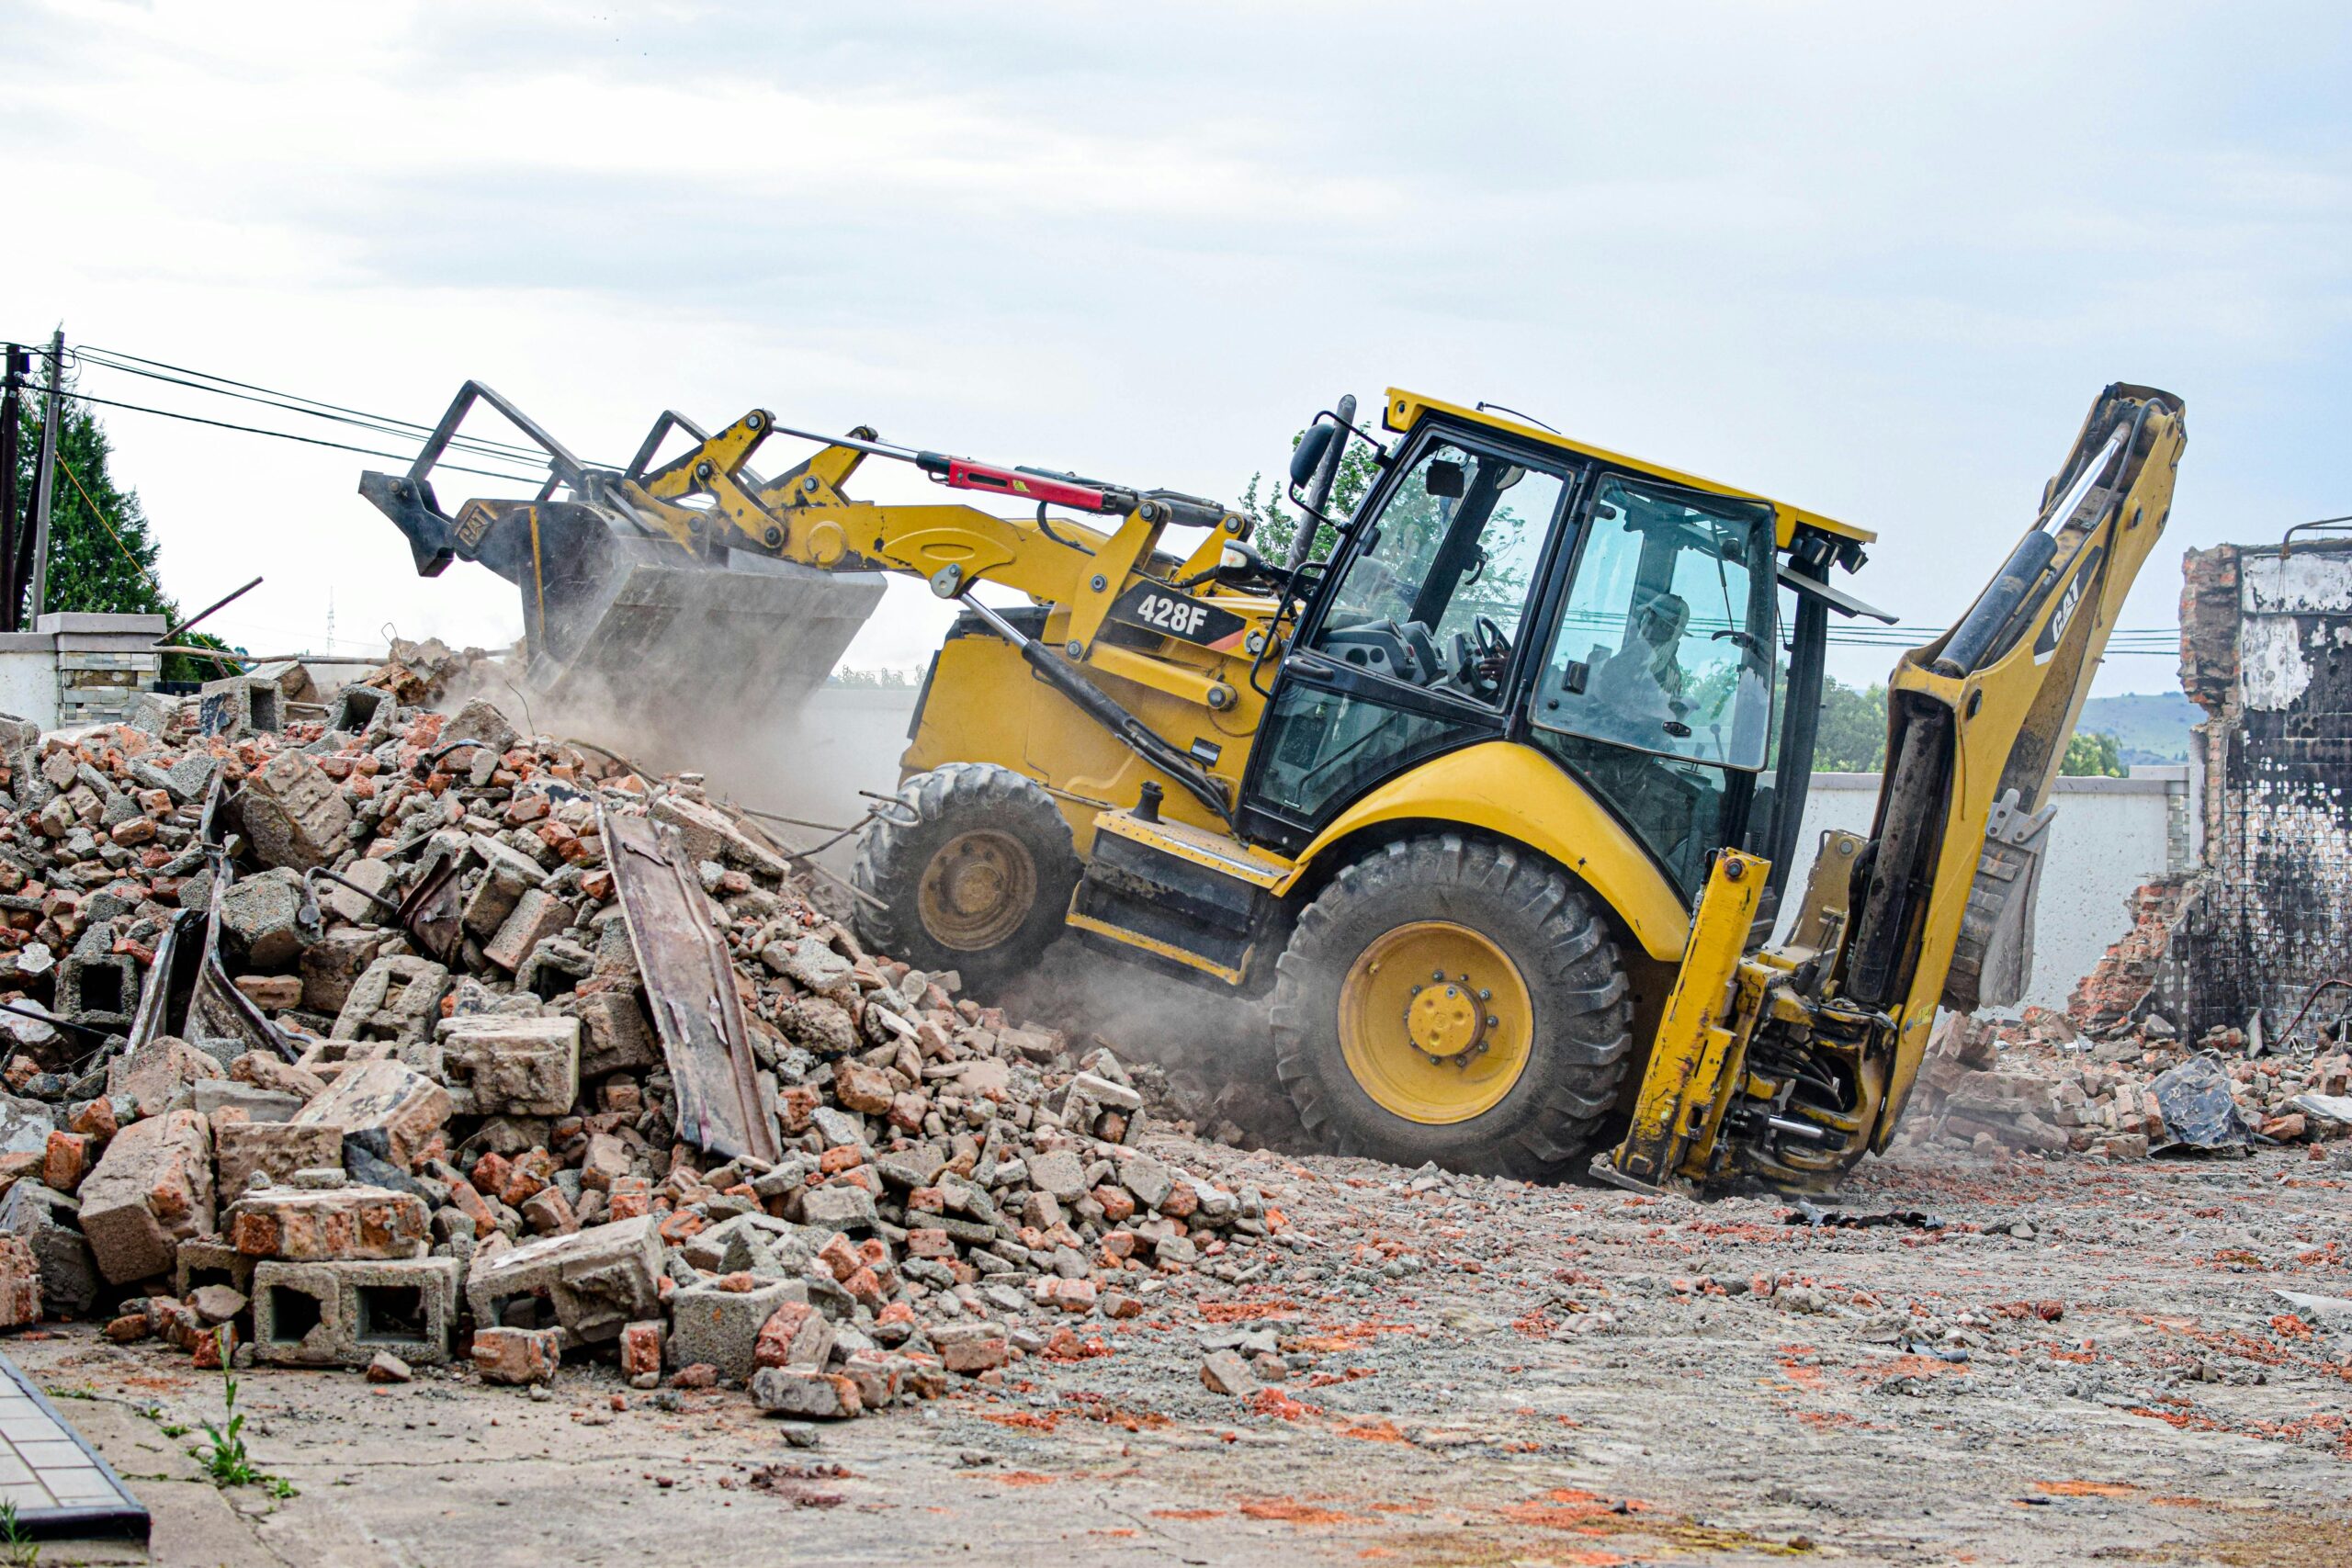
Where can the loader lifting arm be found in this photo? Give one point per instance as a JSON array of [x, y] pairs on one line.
[[1789, 1063], [698, 521]]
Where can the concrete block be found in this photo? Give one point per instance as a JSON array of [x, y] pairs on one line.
[[356, 708], [394, 999], [511, 1066], [537, 915], [294, 814], [153, 1190], [44, 1220], [101, 991], [340, 1223], [590, 1283], [408, 1106], [345, 1313], [722, 1327]]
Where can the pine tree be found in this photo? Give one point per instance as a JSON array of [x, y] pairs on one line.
[[102, 558]]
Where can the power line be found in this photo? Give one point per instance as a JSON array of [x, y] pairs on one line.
[[289, 435], [381, 426]]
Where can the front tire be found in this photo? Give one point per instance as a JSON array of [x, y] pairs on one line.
[[1456, 1001], [975, 878]]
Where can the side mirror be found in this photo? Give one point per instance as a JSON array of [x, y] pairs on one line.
[[1307, 456], [1446, 479]]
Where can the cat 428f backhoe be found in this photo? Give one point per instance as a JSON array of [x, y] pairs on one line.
[[1493, 806]]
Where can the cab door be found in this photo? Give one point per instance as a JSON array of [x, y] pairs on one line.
[[1413, 646]]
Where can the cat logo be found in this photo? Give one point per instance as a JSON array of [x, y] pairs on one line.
[[2069, 602]]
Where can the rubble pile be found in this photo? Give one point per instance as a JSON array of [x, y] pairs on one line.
[[347, 1042], [2135, 1089]]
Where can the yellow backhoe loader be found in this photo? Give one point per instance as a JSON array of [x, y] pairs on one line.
[[1493, 806]]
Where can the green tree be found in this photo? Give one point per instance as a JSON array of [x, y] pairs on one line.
[[2093, 754], [1277, 525], [1852, 737], [102, 557]]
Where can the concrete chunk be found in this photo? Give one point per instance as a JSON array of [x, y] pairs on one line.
[[394, 999], [294, 814], [153, 1190], [408, 1106], [498, 1065], [537, 915], [159, 1075], [41, 1219]]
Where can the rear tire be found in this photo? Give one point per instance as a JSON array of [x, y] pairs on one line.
[[1381, 1070], [978, 879]]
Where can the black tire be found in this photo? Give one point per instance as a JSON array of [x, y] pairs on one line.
[[956, 807], [1580, 1044]]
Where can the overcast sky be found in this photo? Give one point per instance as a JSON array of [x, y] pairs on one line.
[[1874, 259]]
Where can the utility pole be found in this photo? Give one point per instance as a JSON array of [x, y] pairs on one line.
[[12, 379], [45, 483]]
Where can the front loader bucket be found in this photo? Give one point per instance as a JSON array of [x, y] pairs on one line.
[[668, 634], [672, 647]]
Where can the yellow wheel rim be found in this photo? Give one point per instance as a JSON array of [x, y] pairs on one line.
[[1435, 1022], [977, 890]]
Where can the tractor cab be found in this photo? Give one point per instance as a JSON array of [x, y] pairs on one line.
[[1658, 636]]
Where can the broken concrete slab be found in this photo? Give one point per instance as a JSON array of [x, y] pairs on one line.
[[276, 1149]]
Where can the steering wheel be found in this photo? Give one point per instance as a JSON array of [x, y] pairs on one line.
[[1492, 644], [1479, 659]]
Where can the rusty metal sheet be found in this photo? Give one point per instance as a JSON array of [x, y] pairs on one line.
[[216, 1009], [690, 990]]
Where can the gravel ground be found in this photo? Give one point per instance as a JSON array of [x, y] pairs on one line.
[[2084, 1362]]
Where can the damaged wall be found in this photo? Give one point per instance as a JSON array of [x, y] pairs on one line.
[[2266, 652]]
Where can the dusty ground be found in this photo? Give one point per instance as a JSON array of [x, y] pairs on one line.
[[1486, 1374]]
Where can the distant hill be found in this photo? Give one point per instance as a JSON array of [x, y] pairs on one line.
[[2148, 728]]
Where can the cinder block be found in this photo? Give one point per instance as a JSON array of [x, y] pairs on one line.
[[207, 1261], [394, 999], [341, 1314], [592, 1283], [239, 705]]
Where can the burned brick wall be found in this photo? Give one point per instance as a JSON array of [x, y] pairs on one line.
[[2266, 652]]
